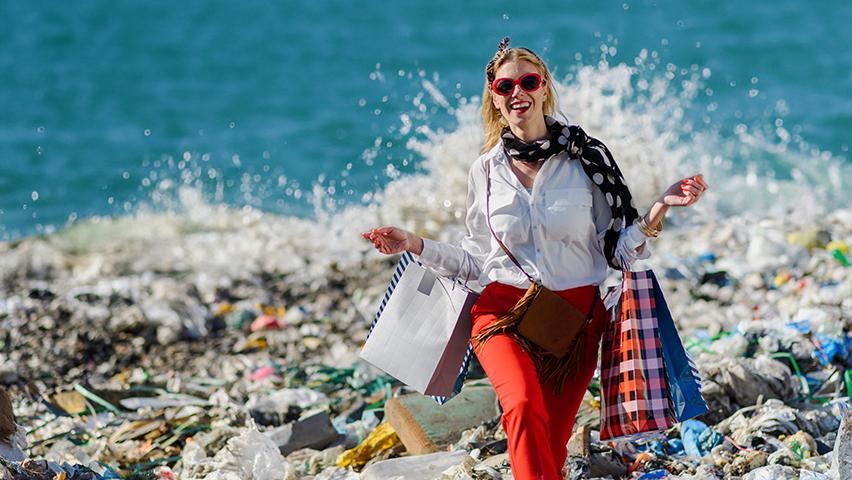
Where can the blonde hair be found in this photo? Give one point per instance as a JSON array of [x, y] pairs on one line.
[[492, 119]]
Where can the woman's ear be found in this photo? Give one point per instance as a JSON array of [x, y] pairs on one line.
[[495, 102]]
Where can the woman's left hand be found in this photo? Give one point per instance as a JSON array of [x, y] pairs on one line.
[[685, 192]]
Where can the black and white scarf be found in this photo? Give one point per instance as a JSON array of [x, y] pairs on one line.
[[598, 164]]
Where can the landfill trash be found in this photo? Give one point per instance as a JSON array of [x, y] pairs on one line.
[[249, 455], [698, 438], [127, 359], [284, 405], [426, 427], [731, 383], [802, 444], [265, 322], [313, 430], [578, 462], [12, 447], [772, 472], [419, 467], [841, 466], [12, 435], [381, 439]]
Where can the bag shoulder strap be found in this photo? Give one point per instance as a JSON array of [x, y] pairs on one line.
[[488, 220]]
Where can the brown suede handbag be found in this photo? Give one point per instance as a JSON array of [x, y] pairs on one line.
[[540, 316]]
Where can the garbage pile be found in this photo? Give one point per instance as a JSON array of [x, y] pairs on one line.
[[166, 372]]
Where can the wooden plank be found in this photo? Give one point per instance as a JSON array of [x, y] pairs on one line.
[[424, 426]]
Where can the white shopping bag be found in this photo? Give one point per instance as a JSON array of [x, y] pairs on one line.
[[421, 333]]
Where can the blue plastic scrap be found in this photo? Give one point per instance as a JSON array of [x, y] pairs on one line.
[[698, 438], [659, 473], [834, 349], [675, 446], [803, 326]]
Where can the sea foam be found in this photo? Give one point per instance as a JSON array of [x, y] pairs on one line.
[[649, 119]]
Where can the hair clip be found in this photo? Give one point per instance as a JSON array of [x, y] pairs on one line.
[[503, 45]]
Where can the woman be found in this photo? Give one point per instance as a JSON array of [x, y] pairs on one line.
[[555, 199]]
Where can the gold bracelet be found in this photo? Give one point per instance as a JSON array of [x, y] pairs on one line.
[[655, 231], [646, 230]]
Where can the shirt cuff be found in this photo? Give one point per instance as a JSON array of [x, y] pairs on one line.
[[632, 245], [633, 237], [429, 255]]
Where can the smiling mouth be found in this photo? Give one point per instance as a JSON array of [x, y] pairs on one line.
[[520, 107]]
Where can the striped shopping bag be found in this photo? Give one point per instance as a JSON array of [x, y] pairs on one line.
[[421, 332], [635, 396]]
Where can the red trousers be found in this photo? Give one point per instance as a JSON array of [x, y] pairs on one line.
[[538, 422]]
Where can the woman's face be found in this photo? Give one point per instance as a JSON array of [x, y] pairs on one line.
[[520, 106]]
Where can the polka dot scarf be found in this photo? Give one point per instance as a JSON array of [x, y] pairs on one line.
[[598, 164]]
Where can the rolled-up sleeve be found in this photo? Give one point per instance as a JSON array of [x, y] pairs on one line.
[[463, 261], [632, 243], [632, 246]]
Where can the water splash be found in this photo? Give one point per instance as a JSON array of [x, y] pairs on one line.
[[648, 116]]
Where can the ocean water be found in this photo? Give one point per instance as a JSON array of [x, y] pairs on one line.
[[161, 118]]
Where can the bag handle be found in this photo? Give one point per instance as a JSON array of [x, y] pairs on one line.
[[488, 220]]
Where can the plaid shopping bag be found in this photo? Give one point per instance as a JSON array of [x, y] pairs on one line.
[[635, 395]]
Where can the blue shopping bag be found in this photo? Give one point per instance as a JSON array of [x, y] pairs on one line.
[[684, 381]]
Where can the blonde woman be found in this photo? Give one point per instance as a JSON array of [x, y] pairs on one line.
[[546, 204]]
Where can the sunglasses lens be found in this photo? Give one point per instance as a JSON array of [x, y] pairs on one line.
[[504, 87], [530, 82]]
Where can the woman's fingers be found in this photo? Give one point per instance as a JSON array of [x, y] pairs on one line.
[[696, 180], [378, 239], [691, 190], [387, 240], [689, 182]]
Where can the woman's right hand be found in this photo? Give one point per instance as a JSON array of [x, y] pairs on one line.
[[391, 240]]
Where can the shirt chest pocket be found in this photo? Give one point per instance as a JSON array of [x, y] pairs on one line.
[[568, 213], [510, 216]]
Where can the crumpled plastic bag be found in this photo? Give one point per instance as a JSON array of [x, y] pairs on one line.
[[732, 383], [248, 456]]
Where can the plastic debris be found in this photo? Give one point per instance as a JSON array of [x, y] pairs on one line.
[[802, 444], [698, 438], [126, 361], [265, 322], [841, 466], [311, 431], [382, 438], [250, 455], [419, 467]]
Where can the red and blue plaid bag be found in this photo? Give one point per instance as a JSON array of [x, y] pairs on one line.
[[635, 395]]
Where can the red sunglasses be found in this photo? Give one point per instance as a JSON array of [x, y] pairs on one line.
[[530, 82]]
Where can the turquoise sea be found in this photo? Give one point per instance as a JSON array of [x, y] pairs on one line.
[[299, 108]]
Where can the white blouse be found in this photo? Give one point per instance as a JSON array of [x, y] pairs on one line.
[[554, 231]]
